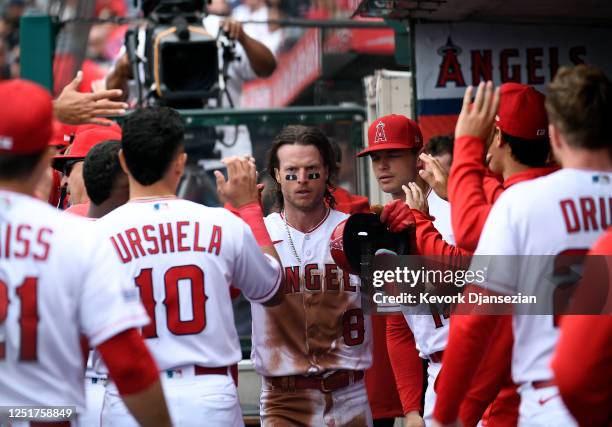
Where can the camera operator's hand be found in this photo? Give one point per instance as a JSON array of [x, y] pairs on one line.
[[77, 108], [261, 59], [233, 29]]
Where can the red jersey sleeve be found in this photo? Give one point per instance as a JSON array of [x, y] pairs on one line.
[[430, 241], [468, 345], [406, 363], [471, 191], [129, 362], [493, 372], [583, 358], [583, 367]]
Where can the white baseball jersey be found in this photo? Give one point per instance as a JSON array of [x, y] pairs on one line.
[[429, 323], [58, 280], [564, 211], [183, 257], [320, 325]]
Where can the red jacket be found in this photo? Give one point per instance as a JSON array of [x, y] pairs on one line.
[[583, 358], [472, 191]]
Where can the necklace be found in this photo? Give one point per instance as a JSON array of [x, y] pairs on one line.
[[291, 244], [295, 254]]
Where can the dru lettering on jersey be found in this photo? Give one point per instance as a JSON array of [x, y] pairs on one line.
[[179, 236], [314, 277], [586, 214]]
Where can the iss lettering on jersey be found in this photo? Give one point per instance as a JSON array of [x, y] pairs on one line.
[[586, 214], [317, 278], [169, 237], [21, 241]]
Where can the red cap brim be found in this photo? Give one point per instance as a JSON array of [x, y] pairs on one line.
[[383, 147]]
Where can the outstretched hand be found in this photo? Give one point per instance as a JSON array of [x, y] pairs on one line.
[[241, 186], [477, 118], [76, 108]]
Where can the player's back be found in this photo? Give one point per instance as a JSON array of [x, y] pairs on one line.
[[551, 221], [48, 297], [181, 256]]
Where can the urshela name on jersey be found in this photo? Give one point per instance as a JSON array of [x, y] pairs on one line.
[[180, 236], [24, 241], [313, 277]]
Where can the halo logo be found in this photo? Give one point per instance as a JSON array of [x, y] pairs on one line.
[[380, 133]]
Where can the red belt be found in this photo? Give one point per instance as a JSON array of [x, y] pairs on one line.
[[437, 356], [222, 370], [543, 384], [333, 382]]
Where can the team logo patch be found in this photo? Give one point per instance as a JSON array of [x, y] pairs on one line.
[[601, 179], [160, 206], [336, 244], [380, 133]]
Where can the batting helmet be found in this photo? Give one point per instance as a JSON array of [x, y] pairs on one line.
[[363, 235]]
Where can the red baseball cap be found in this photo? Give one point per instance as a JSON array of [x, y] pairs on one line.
[[393, 132], [521, 112], [60, 138], [26, 117], [83, 142]]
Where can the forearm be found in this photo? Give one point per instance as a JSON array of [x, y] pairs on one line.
[[468, 341], [430, 241], [466, 193], [136, 376], [406, 363], [149, 406], [493, 373], [261, 59], [118, 79]]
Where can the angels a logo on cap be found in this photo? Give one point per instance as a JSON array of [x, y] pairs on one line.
[[380, 133]]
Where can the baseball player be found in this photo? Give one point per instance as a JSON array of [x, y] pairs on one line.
[[519, 151], [380, 384], [313, 348], [547, 216], [394, 142], [106, 183], [107, 188], [584, 386], [182, 258], [44, 306], [71, 163]]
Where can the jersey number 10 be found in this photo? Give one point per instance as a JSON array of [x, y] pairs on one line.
[[173, 275]]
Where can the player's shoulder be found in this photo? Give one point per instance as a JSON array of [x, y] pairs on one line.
[[42, 214], [526, 194], [272, 219], [335, 217]]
